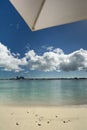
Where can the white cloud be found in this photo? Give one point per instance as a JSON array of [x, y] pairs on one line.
[[75, 61], [58, 51], [9, 61], [51, 60], [50, 48], [56, 60]]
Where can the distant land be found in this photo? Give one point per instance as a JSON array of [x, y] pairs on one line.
[[23, 78]]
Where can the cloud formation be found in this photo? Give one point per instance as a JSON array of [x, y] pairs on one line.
[[10, 61], [51, 60], [56, 60]]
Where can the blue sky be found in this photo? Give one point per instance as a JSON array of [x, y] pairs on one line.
[[18, 38]]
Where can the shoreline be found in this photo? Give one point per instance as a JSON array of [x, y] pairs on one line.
[[36, 105], [43, 118]]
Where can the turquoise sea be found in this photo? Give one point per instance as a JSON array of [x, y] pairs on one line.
[[43, 92]]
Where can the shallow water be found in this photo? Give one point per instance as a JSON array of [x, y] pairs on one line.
[[43, 92]]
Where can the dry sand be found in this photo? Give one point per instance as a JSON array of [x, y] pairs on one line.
[[43, 118]]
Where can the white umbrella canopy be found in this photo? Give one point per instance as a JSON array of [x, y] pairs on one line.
[[39, 14]]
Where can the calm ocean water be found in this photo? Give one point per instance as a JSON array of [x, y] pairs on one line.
[[43, 92]]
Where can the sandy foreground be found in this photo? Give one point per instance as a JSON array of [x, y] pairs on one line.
[[43, 118]]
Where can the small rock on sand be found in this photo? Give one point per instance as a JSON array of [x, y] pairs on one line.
[[64, 121], [48, 122], [39, 124], [17, 123]]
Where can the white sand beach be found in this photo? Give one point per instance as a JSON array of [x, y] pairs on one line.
[[43, 118]]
